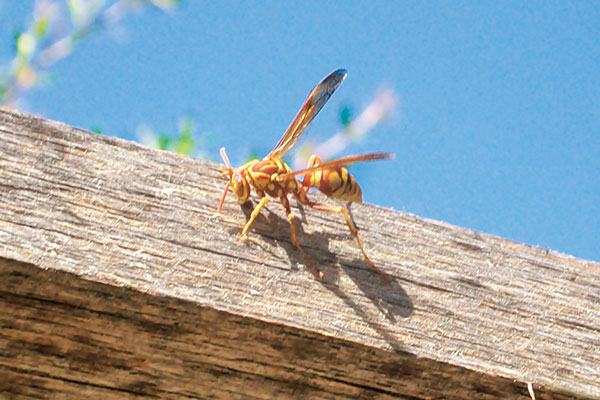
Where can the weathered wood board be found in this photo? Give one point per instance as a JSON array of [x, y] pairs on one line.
[[119, 278]]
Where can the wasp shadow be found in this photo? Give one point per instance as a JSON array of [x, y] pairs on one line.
[[389, 298], [275, 228]]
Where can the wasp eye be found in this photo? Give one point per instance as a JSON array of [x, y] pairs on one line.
[[238, 185]]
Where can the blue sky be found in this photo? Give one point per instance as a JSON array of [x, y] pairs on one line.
[[498, 122]]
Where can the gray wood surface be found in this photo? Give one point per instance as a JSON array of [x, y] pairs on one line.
[[119, 279]]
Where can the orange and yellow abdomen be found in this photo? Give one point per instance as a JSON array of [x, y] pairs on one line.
[[335, 182]]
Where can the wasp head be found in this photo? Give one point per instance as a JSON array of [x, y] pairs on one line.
[[237, 181]]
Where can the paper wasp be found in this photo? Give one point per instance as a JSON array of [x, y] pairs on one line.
[[273, 177]]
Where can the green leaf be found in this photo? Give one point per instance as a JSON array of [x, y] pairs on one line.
[[184, 143], [253, 155], [346, 116], [164, 142], [3, 90], [41, 27], [16, 35]]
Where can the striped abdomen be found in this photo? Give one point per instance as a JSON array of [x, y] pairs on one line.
[[335, 182]]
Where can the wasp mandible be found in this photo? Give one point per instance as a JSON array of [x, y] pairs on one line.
[[273, 178]]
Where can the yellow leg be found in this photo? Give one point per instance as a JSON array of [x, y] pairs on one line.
[[353, 231], [312, 162], [253, 216], [286, 204]]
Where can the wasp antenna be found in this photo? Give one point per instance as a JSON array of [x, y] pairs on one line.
[[226, 161], [223, 197], [230, 172]]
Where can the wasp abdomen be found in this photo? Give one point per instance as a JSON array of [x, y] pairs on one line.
[[336, 183]]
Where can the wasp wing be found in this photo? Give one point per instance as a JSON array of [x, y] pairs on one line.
[[311, 107], [337, 162]]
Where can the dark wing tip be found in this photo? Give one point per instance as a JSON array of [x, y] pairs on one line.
[[336, 78], [342, 73]]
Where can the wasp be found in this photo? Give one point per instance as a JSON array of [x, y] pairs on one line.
[[272, 178]]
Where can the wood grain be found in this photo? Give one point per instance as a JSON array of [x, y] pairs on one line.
[[120, 279]]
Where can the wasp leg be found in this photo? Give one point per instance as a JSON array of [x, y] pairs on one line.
[[313, 161], [353, 231], [264, 200], [286, 204]]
